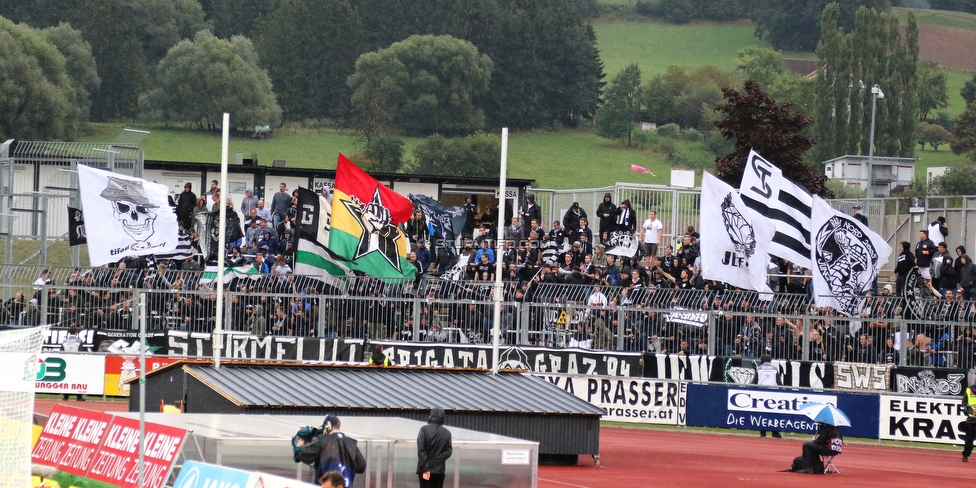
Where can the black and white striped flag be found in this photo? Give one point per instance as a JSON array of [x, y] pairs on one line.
[[184, 248], [787, 204]]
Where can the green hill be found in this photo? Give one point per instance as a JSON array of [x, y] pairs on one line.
[[562, 159]]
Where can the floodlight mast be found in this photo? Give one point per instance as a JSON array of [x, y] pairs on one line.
[[876, 94]]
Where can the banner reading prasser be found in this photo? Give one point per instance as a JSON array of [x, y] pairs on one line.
[[629, 400]]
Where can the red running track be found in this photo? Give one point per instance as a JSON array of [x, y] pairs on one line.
[[665, 458], [638, 458]]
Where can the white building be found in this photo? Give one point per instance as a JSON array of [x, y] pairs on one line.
[[886, 172]]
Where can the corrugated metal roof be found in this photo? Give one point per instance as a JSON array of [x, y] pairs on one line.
[[388, 389]]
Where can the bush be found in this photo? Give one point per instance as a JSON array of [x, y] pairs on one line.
[[718, 144], [691, 134], [642, 139], [476, 155], [385, 153], [650, 8], [668, 130], [676, 11]]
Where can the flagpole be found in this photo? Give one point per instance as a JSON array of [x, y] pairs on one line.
[[495, 330], [221, 240]]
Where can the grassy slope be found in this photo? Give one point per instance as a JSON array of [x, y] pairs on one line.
[[567, 159], [654, 45]]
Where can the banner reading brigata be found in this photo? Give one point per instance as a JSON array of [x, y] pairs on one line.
[[118, 459], [70, 439], [527, 358], [629, 400]]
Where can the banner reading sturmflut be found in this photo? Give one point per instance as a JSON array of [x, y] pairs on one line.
[[735, 250], [125, 216], [846, 258]]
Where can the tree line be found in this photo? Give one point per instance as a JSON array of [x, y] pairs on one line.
[[520, 64], [830, 112]]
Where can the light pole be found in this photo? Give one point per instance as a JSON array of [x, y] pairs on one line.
[[876, 93]]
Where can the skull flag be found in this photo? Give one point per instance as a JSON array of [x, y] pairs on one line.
[[846, 258], [125, 216]]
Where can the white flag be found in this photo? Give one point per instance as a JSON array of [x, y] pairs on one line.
[[847, 256], [765, 190], [125, 216], [735, 251]]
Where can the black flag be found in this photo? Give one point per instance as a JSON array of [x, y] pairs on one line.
[[76, 227]]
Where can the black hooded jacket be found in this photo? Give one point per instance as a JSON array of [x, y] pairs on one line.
[[434, 444], [606, 211]]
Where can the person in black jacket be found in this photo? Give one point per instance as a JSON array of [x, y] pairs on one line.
[[967, 277], [433, 450], [829, 442], [330, 450], [625, 219], [606, 212], [906, 261]]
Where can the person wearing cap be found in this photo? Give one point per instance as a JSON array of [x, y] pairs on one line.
[[434, 448], [571, 220], [330, 451], [530, 211], [184, 205], [248, 203], [863, 219]]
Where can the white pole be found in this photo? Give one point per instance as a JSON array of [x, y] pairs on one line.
[[874, 107], [142, 389], [221, 240], [495, 331]]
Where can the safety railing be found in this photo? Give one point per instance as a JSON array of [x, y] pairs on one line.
[[935, 332]]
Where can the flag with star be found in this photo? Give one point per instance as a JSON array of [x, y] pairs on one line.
[[364, 222]]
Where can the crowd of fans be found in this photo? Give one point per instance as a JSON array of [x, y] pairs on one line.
[[564, 286]]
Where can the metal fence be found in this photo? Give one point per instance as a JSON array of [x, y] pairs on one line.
[[738, 323], [678, 208]]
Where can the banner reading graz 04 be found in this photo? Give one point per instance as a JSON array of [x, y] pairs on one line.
[[530, 358], [636, 400], [243, 346]]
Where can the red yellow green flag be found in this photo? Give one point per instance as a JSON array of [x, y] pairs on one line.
[[364, 218]]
